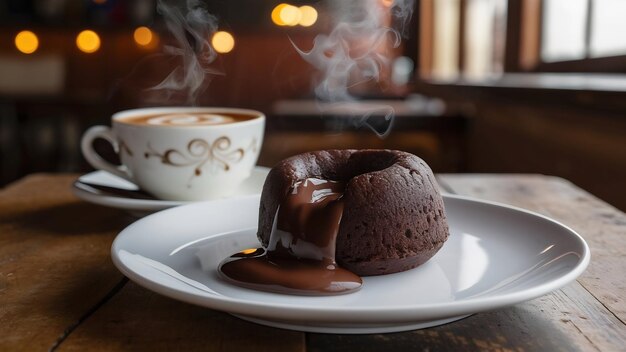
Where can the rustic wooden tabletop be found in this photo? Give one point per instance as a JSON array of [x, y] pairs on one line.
[[60, 291]]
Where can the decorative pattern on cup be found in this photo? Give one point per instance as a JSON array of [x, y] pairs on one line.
[[199, 152], [124, 148]]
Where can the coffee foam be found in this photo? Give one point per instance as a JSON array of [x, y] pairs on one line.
[[189, 119]]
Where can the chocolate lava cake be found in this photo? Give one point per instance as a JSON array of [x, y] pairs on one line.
[[393, 218]]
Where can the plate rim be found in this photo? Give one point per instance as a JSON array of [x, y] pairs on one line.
[[398, 314]]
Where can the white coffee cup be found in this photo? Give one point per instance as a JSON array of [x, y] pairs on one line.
[[181, 153]]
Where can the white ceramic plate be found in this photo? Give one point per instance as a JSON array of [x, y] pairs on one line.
[[496, 256], [141, 207]]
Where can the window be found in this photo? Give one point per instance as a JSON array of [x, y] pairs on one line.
[[482, 38], [608, 28], [563, 34], [467, 37], [446, 39], [577, 29]]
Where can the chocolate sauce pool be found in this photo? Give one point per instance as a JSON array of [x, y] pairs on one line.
[[300, 256]]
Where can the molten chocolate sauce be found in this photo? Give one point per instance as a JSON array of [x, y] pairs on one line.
[[300, 256]]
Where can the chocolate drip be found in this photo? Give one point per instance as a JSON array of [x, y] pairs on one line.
[[300, 256]]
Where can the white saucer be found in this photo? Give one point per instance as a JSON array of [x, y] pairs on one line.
[[141, 207], [496, 256]]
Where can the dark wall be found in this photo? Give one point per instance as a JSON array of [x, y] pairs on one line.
[[577, 135]]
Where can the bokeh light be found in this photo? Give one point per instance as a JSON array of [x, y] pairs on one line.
[[88, 41], [223, 42], [290, 15], [143, 36], [308, 16], [276, 14], [26, 42]]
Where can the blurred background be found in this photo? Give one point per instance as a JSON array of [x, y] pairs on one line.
[[481, 86]]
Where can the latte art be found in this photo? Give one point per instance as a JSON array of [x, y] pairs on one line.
[[187, 118], [190, 119]]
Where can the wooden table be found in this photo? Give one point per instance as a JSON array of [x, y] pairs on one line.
[[60, 291]]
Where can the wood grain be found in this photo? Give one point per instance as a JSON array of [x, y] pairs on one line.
[[59, 289], [570, 319], [554, 322], [601, 225], [54, 260], [140, 319], [599, 315]]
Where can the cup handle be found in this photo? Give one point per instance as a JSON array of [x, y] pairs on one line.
[[86, 145]]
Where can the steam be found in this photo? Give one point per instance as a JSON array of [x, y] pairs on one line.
[[355, 52], [192, 26]]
